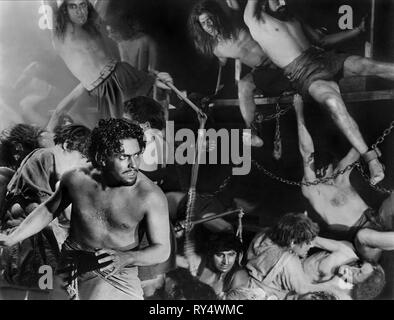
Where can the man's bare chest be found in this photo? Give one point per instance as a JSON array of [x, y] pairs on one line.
[[119, 210]]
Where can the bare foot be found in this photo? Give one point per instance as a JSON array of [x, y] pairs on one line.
[[376, 171], [252, 140]]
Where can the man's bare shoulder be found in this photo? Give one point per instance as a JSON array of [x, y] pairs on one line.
[[150, 191], [79, 174]]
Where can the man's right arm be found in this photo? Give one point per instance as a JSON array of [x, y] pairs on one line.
[[376, 239], [39, 218], [333, 245]]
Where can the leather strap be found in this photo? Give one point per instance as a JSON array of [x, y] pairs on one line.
[[371, 155]]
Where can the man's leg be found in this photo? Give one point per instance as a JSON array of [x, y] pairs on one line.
[[247, 107], [360, 66], [328, 95]]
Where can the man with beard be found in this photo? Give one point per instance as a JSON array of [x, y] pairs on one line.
[[312, 70], [217, 33], [80, 42], [109, 200]]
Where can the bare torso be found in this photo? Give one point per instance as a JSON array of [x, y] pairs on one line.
[[104, 217], [282, 41], [322, 267], [139, 52], [84, 54], [337, 203], [243, 48]]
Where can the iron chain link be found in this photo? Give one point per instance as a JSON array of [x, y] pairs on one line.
[[325, 180]]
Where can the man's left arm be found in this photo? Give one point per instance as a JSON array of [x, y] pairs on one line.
[[158, 229], [330, 40]]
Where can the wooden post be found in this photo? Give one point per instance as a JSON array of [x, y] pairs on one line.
[[369, 45]]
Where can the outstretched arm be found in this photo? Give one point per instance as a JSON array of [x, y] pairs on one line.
[[39, 218], [376, 239], [327, 41], [64, 106], [305, 141], [249, 11], [333, 246]]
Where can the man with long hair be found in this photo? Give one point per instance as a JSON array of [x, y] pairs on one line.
[[216, 32], [312, 70], [79, 40]]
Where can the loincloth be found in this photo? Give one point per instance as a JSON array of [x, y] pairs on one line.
[[312, 65], [370, 219], [81, 269], [118, 83], [269, 81]]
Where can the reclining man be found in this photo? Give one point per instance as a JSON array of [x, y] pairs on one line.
[[351, 277], [278, 264], [312, 70], [109, 199], [214, 32], [338, 203], [79, 39]]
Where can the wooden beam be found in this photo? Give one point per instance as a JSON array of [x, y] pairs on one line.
[[352, 97]]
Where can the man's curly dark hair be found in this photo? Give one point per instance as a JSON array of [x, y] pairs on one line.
[[145, 109], [223, 241], [294, 228], [105, 139], [72, 137], [371, 287], [17, 142]]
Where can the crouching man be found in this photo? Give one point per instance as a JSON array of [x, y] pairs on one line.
[[109, 200]]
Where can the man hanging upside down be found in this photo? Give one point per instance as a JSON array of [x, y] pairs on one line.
[[337, 202], [109, 200], [312, 70], [79, 40]]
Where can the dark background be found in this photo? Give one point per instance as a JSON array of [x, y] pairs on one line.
[[21, 42]]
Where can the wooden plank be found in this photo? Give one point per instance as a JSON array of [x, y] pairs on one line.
[[352, 97]]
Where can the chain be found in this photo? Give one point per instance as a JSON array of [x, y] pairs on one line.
[[360, 168], [384, 135], [277, 153], [220, 189], [261, 118], [325, 180]]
